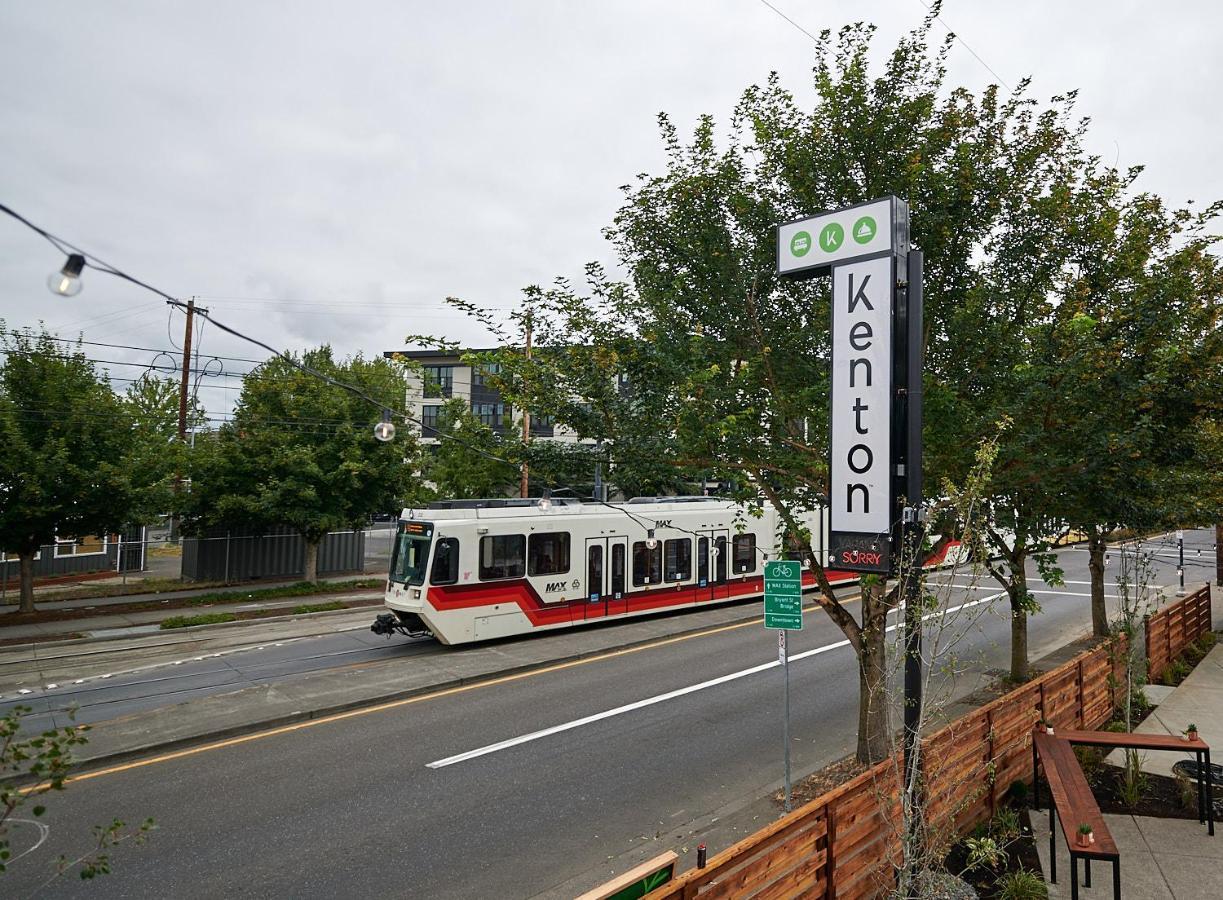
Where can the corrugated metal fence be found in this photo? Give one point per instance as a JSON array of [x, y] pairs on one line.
[[220, 555]]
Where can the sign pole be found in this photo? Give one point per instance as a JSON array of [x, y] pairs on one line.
[[911, 553], [784, 653]]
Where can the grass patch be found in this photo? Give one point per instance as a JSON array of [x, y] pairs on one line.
[[205, 619], [300, 589], [318, 607]]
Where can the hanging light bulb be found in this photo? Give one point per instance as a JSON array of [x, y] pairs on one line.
[[385, 430], [67, 281], [650, 541]]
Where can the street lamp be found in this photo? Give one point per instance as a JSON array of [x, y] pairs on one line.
[[385, 430], [67, 281]]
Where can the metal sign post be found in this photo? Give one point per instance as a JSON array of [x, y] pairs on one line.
[[875, 439], [783, 610]]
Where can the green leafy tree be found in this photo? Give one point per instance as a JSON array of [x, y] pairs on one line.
[[158, 458], [468, 462], [67, 439], [301, 452], [726, 367]]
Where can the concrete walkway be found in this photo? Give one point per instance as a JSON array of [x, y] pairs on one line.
[[1161, 859], [1197, 699]]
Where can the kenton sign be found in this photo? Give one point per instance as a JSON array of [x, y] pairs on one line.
[[865, 248]]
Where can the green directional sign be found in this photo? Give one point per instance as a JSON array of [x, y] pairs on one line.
[[783, 594]]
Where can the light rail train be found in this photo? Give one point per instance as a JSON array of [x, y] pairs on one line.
[[480, 569]]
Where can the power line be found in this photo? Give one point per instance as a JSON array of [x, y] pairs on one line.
[[791, 21], [955, 34]]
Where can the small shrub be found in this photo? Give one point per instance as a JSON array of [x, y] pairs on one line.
[[1187, 790], [1175, 673], [1005, 825], [984, 853], [1091, 759], [1021, 885], [1017, 793], [206, 619]]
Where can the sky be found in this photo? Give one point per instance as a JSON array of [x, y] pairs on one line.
[[319, 172]]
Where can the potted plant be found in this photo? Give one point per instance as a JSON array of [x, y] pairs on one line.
[[1191, 733], [1045, 725], [1086, 838]]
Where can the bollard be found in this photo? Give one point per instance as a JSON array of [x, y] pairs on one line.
[[700, 856]]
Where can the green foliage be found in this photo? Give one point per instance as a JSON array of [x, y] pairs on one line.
[[202, 619], [1021, 885], [68, 445], [1017, 793], [1091, 760], [1005, 825], [468, 464], [300, 451], [1133, 788], [1175, 673], [1187, 792], [45, 761], [984, 853]]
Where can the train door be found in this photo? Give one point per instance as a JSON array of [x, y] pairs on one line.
[[606, 565], [711, 564]]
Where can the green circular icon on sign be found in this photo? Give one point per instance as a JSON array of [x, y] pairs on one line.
[[864, 230], [800, 244], [832, 237]]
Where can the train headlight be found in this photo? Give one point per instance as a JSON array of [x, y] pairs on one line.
[[415, 593]]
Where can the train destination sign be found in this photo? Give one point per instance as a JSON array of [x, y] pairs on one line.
[[810, 246], [783, 594]]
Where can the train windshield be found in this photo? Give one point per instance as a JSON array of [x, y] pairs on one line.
[[411, 554]]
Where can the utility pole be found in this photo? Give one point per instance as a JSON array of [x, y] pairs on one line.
[[526, 422], [182, 408], [184, 384]]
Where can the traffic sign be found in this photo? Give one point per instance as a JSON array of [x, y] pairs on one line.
[[783, 594]]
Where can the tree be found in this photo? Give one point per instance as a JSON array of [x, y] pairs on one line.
[[727, 367], [67, 438], [300, 451], [158, 458], [468, 461]]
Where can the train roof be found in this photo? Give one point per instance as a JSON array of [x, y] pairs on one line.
[[524, 507]]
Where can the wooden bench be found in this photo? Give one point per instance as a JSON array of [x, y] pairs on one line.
[[1071, 798], [1199, 748]]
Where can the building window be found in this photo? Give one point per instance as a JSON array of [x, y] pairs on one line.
[[89, 545], [677, 559], [744, 551], [439, 381], [445, 562], [549, 553], [503, 556], [483, 374], [428, 416], [490, 414], [647, 564]]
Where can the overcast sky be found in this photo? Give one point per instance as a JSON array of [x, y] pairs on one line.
[[330, 172]]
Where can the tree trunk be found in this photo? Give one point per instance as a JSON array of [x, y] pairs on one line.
[[874, 731], [27, 582], [1017, 592], [311, 560], [1095, 564], [1219, 554]]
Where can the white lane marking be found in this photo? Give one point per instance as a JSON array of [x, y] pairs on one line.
[[671, 695]]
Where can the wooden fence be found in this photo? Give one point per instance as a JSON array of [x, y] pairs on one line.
[[1171, 629], [846, 843]]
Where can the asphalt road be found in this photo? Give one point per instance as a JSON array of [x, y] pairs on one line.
[[511, 788]]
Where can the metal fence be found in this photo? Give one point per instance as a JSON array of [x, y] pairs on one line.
[[235, 555], [122, 552]]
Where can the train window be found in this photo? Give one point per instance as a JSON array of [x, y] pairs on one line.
[[745, 553], [410, 556], [617, 570], [503, 556], [647, 563], [702, 560], [445, 562], [549, 553], [677, 559]]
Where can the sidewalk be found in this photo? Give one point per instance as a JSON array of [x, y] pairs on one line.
[[1161, 859]]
